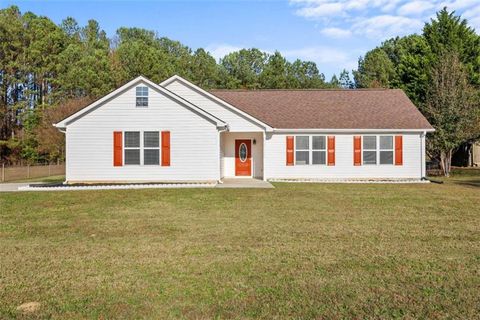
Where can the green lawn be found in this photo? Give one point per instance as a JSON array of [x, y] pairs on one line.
[[296, 251]]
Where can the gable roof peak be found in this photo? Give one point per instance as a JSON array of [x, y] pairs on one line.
[[63, 123]]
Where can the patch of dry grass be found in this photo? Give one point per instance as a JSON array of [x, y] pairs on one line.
[[297, 251]]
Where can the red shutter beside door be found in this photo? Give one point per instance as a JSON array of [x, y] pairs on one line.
[[117, 149], [331, 151], [165, 148], [398, 150], [357, 150], [290, 145]]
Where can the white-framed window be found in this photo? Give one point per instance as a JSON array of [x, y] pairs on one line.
[[378, 150], [137, 153], [302, 150], [369, 149], [142, 97], [132, 148], [386, 150], [319, 149], [310, 150], [151, 148]]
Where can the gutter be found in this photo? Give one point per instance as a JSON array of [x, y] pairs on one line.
[[352, 130], [61, 129]]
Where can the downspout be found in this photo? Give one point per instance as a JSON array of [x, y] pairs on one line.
[[264, 134], [224, 129], [423, 174], [64, 131]]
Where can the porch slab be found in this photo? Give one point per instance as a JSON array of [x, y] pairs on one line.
[[244, 183]]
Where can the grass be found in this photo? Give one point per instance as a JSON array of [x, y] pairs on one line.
[[296, 251]]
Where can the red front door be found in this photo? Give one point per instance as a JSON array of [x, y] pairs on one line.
[[243, 157]]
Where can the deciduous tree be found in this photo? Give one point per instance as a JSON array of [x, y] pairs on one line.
[[453, 108]]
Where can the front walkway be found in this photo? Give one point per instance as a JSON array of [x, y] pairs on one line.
[[227, 183], [243, 183], [13, 186]]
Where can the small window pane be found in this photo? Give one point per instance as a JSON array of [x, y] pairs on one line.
[[318, 157], [370, 142], [386, 142], [142, 91], [386, 157], [318, 142], [369, 157], [151, 156], [302, 143], [142, 101], [132, 139], [132, 156], [302, 157], [151, 139]]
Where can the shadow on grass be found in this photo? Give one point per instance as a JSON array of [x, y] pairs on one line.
[[470, 183]]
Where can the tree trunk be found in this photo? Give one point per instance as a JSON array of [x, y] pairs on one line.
[[446, 162]]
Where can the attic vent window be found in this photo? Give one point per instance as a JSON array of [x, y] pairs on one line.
[[142, 97]]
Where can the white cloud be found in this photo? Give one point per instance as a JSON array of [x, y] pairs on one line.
[[457, 4], [321, 10], [219, 51], [325, 57], [415, 7], [320, 54], [328, 59], [386, 26], [336, 33], [378, 18], [473, 17]]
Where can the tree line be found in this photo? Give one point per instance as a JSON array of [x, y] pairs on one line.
[[439, 70], [48, 71]]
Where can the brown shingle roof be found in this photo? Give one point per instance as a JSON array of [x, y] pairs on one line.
[[328, 109]]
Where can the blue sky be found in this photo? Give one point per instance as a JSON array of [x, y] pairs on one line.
[[333, 33]]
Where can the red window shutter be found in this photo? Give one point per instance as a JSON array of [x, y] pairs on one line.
[[166, 148], [331, 151], [357, 151], [398, 150], [117, 149], [290, 145]]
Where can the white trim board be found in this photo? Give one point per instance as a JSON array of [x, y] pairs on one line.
[[360, 130], [74, 117], [216, 99]]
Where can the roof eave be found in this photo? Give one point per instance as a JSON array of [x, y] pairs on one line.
[[173, 78], [65, 122], [351, 130]]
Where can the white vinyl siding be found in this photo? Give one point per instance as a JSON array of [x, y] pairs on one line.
[[275, 153], [236, 122], [193, 141]]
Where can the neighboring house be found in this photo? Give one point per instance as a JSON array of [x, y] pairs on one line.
[[176, 131], [476, 154], [467, 155]]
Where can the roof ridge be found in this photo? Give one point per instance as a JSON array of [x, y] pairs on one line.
[[307, 90]]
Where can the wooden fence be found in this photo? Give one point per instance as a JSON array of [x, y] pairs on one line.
[[12, 173]]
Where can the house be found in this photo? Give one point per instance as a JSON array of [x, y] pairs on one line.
[[476, 154], [467, 155], [176, 131]]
